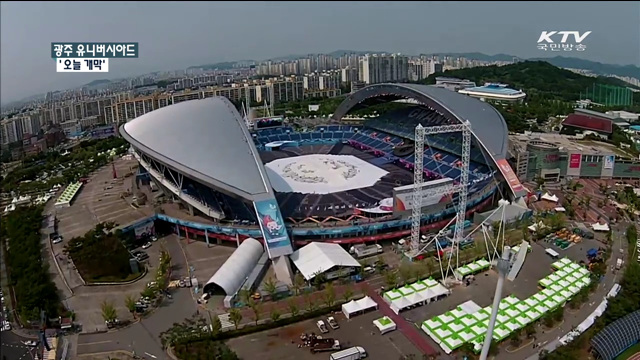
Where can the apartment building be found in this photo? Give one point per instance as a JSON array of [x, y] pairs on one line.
[[379, 68]]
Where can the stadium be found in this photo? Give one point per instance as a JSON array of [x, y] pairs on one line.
[[333, 183]]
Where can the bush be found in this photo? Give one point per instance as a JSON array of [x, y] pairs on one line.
[[28, 273]]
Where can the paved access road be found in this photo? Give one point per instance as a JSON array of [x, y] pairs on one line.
[[143, 337], [12, 347]]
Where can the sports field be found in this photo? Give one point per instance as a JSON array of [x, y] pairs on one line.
[[632, 353]]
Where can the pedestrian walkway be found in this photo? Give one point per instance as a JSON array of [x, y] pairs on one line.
[[225, 321], [407, 329]]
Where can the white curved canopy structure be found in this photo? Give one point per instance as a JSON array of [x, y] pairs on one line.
[[238, 266]]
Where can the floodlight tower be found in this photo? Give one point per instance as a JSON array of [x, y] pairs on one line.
[[418, 184], [503, 269]]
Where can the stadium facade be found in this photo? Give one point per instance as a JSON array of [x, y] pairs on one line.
[[201, 154]]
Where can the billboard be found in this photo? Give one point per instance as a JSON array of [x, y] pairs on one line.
[[145, 229], [509, 175], [574, 161], [609, 160], [274, 231], [402, 196]]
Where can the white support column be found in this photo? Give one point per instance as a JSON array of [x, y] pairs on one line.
[[458, 234], [416, 196]]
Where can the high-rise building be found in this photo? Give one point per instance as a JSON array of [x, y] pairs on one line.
[[379, 68]]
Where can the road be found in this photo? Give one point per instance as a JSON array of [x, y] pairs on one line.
[[12, 346], [143, 337]]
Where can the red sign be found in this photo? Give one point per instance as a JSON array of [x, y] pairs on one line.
[[574, 161], [509, 175]]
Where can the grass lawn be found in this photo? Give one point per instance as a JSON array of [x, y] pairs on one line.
[[629, 352]]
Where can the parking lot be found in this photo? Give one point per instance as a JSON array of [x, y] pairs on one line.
[[87, 299], [282, 343], [99, 201]]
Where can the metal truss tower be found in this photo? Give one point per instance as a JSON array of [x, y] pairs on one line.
[[461, 188]]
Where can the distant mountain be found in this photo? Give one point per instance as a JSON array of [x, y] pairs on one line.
[[225, 65], [594, 66], [478, 56], [96, 83], [337, 53], [534, 77]]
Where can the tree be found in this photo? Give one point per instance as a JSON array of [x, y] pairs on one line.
[[514, 338], [298, 283], [391, 279], [379, 265], [245, 296], [348, 294], [130, 303], [406, 272], [275, 315], [109, 313], [216, 325], [530, 330], [494, 349], [558, 314], [235, 317], [311, 305], [319, 279], [329, 295], [270, 286], [255, 308], [293, 308], [547, 320]]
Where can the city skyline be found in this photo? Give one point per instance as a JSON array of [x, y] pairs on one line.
[[259, 30]]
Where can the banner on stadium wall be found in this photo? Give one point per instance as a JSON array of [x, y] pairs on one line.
[[509, 175], [144, 229], [273, 228], [574, 161], [609, 160], [403, 196]]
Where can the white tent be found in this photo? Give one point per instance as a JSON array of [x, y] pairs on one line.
[[399, 304], [319, 257], [470, 307], [385, 325], [358, 306], [439, 290], [550, 197]]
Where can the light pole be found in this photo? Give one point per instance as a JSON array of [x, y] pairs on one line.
[[503, 269]]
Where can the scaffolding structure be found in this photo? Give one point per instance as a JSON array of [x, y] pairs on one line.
[[416, 248]]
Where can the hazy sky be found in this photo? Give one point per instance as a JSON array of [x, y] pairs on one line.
[[175, 35]]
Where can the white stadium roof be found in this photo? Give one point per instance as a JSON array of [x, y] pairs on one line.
[[238, 266], [205, 139], [319, 257]]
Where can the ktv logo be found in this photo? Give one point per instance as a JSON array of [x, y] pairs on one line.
[[548, 40]]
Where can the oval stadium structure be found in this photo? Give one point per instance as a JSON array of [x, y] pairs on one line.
[[335, 183]]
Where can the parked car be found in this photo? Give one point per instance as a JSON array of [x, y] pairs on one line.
[[146, 246], [333, 323], [57, 240], [322, 326], [140, 255], [154, 238]]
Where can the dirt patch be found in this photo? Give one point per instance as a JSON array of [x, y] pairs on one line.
[[291, 332]]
